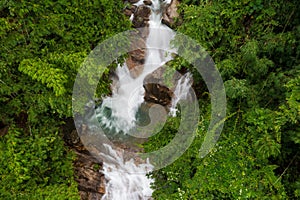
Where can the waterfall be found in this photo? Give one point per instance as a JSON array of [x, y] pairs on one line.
[[181, 91], [127, 179], [128, 93]]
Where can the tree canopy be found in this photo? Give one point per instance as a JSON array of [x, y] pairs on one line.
[[255, 46], [42, 46]]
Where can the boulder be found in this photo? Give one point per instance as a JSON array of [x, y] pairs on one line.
[[133, 1], [164, 77], [141, 16], [148, 2], [136, 59], [129, 10], [138, 55], [133, 8], [170, 13], [159, 87], [159, 94], [91, 182], [135, 67]]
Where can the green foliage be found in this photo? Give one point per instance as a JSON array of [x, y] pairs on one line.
[[48, 42], [264, 127], [255, 45], [34, 165], [43, 44], [45, 73], [236, 88]]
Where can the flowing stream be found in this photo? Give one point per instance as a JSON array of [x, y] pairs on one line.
[[128, 95], [127, 180]]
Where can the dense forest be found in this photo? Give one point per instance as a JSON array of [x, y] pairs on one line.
[[255, 46]]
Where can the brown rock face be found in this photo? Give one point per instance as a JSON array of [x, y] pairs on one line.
[[170, 13], [159, 88], [133, 1], [141, 16], [134, 67], [138, 55], [135, 61], [148, 2], [91, 182], [128, 11], [159, 94]]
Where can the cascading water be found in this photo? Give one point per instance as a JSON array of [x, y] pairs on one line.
[[127, 98], [127, 179], [181, 91]]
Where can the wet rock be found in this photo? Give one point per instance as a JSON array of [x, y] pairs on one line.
[[143, 33], [170, 13], [130, 63], [133, 1], [163, 76], [141, 16], [160, 85], [138, 55], [135, 67], [136, 59], [133, 8], [158, 94], [91, 182], [148, 2], [129, 10], [138, 22]]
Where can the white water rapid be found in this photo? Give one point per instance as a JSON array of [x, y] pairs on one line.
[[129, 93], [181, 91], [127, 180]]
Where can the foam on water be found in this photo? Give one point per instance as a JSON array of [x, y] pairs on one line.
[[127, 180], [181, 91], [128, 92]]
